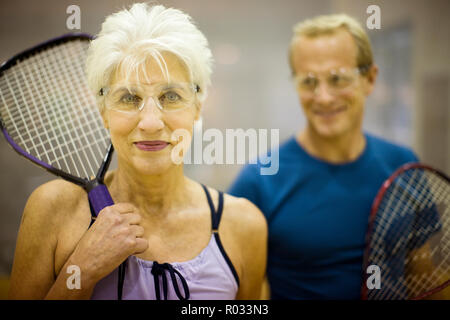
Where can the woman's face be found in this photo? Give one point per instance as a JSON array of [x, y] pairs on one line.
[[144, 140]]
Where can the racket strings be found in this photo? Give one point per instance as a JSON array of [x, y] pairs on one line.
[[50, 114], [410, 241], [80, 103], [83, 141], [49, 111], [416, 281], [37, 128]]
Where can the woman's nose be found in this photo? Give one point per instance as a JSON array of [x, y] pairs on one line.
[[150, 117]]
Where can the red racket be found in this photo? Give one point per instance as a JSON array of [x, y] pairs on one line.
[[407, 253]]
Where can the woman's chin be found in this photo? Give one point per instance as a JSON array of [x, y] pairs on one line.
[[153, 166]]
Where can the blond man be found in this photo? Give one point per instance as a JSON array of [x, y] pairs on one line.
[[317, 206]]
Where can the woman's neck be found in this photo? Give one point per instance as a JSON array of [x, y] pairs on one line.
[[150, 193]]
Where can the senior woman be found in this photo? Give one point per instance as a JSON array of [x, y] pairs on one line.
[[150, 68]]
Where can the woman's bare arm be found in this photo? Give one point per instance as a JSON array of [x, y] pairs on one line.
[[114, 236], [251, 232], [265, 291], [33, 272]]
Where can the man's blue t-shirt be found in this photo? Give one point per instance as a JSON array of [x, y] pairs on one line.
[[318, 214]]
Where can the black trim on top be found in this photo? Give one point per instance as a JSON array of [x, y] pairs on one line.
[[219, 211], [214, 224], [215, 218], [225, 256], [121, 279]]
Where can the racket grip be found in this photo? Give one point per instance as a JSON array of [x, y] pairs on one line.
[[99, 198]]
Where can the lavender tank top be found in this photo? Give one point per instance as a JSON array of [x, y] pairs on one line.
[[208, 276]]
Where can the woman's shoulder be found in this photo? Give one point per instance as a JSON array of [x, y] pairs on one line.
[[53, 200], [58, 191], [243, 213], [243, 233], [246, 236], [237, 211]]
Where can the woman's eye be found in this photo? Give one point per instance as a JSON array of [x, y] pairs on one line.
[[170, 96], [130, 98]]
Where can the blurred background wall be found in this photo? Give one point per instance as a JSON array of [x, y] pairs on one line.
[[251, 85]]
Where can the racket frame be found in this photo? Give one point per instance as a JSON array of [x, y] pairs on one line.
[[89, 185], [98, 194]]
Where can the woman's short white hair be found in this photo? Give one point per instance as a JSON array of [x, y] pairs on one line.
[[130, 37]]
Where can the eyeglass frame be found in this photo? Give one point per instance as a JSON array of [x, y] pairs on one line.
[[361, 70], [104, 91]]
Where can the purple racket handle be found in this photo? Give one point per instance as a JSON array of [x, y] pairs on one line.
[[100, 198]]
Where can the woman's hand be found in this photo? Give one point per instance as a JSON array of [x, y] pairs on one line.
[[53, 231], [115, 235]]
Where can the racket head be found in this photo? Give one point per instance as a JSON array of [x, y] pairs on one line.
[[48, 113], [409, 226]]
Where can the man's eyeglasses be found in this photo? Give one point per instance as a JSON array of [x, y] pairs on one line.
[[336, 80], [168, 97]]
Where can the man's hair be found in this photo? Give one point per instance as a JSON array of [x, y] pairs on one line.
[[129, 38], [328, 24]]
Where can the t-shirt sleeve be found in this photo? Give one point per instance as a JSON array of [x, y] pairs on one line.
[[246, 185]]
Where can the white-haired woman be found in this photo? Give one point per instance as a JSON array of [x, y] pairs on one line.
[[150, 67]]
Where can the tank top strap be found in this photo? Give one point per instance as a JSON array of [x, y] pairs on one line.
[[215, 215], [215, 218]]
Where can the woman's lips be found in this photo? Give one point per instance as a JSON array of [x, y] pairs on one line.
[[155, 145]]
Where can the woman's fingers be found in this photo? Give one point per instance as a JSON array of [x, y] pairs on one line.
[[138, 231], [133, 218], [141, 245]]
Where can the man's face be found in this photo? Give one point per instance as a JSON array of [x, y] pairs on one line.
[[332, 110]]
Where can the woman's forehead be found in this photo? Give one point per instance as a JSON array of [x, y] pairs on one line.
[[169, 68], [140, 88]]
